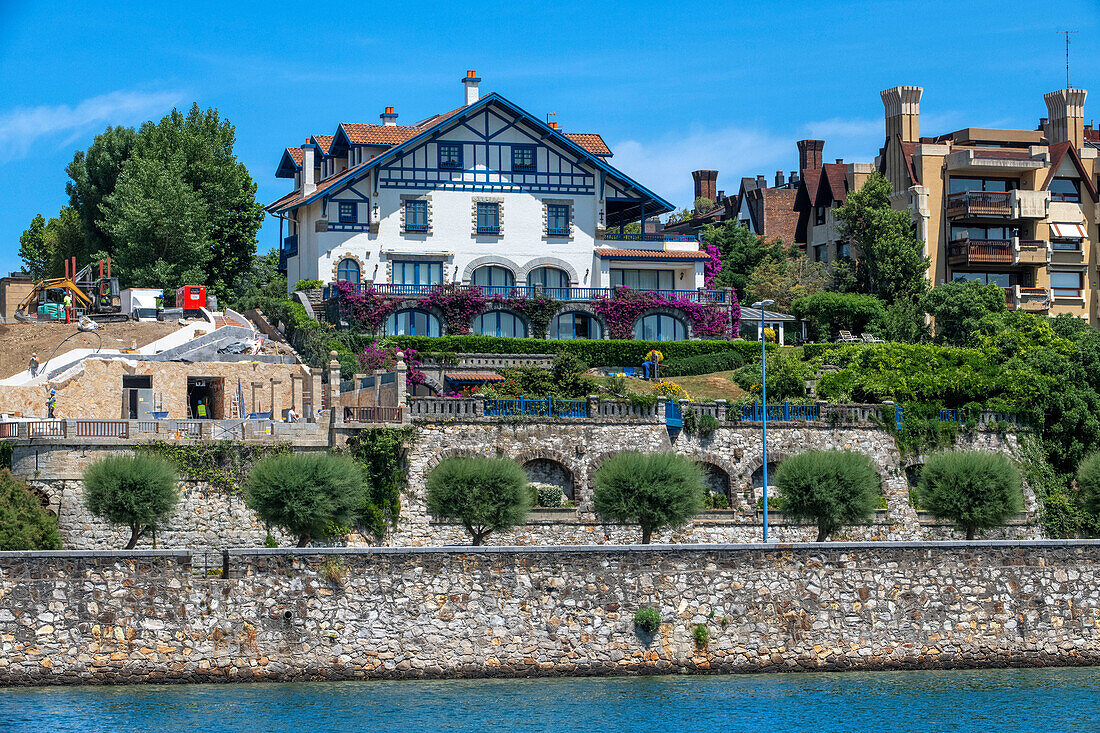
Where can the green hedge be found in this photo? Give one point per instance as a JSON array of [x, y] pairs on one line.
[[704, 363], [596, 352]]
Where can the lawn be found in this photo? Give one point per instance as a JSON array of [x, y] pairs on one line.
[[701, 387]]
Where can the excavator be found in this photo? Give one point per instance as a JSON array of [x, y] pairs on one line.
[[95, 297]]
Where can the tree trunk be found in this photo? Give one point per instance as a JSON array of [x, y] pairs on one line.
[[647, 534], [135, 534], [822, 533], [303, 541], [969, 533], [478, 538]]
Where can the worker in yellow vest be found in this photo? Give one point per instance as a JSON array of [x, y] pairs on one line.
[[67, 302], [200, 410]]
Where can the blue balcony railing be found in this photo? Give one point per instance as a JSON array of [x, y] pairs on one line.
[[717, 297], [648, 237], [535, 407]]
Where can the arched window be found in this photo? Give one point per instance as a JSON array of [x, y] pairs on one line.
[[660, 328], [500, 323], [574, 325], [758, 479], [546, 473], [494, 280], [718, 487], [412, 322], [348, 270], [554, 281]]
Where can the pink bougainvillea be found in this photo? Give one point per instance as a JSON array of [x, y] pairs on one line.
[[458, 305], [623, 310], [375, 356], [366, 309], [711, 267]]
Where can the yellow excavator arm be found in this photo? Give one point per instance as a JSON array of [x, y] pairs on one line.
[[79, 298]]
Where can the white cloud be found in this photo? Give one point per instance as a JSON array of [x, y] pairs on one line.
[[22, 127], [664, 165]]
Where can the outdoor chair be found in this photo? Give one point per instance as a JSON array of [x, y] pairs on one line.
[[869, 339], [846, 337]]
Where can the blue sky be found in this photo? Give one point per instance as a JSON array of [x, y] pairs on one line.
[[672, 87]]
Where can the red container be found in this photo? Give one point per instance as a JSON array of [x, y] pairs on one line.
[[191, 297]]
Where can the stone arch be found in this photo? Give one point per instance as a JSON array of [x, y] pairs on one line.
[[420, 305], [725, 466], [449, 453], [337, 259], [499, 261], [588, 310], [664, 310], [571, 472], [522, 273]]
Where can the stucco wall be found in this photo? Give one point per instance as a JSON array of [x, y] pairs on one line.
[[538, 612]]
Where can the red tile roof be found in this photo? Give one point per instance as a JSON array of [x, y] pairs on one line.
[[590, 141], [473, 376], [295, 155], [652, 254], [294, 197], [362, 134], [324, 142]]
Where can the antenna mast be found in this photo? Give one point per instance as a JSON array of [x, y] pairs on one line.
[[1067, 35]]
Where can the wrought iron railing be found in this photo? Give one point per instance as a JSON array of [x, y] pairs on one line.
[[648, 237], [535, 407]]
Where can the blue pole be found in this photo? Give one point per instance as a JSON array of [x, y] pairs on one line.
[[764, 417]]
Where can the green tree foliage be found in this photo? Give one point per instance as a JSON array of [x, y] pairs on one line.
[[92, 178], [1088, 482], [741, 252], [830, 488], [787, 376], [891, 261], [137, 491], [383, 454], [785, 280], [564, 380], [827, 314], [974, 489], [703, 205], [44, 246], [652, 490], [958, 308], [905, 322], [310, 496], [483, 494], [24, 522], [262, 284]]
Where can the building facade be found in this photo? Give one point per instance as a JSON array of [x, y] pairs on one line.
[[486, 195], [1017, 208]]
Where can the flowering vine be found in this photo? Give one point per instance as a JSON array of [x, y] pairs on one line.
[[458, 306], [366, 309], [711, 267], [375, 356], [623, 310], [539, 311]]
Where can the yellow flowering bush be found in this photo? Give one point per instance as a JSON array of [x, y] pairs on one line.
[[670, 390]]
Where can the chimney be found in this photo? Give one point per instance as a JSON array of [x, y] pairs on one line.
[[308, 153], [902, 105], [706, 184], [1067, 117], [809, 154], [793, 179], [553, 125], [389, 117], [780, 181], [721, 197], [761, 182], [840, 161], [470, 82]]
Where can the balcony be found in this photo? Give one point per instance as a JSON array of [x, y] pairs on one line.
[[648, 237], [980, 204], [969, 252], [570, 294], [1031, 252], [994, 161], [1033, 300]]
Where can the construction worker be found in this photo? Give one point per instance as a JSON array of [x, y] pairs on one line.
[[32, 366], [200, 410], [51, 403], [67, 302]]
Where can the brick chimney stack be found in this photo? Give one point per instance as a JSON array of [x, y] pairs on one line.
[[389, 117], [1067, 117], [706, 184], [470, 82], [809, 154], [902, 105], [780, 179]]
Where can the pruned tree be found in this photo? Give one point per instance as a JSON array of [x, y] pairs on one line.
[[137, 491], [652, 490], [483, 494], [830, 488], [974, 489]]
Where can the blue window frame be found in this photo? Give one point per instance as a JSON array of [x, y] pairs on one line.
[[417, 273], [557, 220], [450, 155], [412, 322], [659, 328], [494, 280], [523, 157], [488, 218], [348, 270], [499, 323], [416, 216], [348, 213], [642, 279], [574, 325]]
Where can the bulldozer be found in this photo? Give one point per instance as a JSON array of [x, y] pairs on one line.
[[95, 297]]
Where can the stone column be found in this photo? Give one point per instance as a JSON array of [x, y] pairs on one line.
[[335, 413], [593, 406], [721, 408], [400, 387], [295, 391], [256, 405], [357, 388], [660, 416], [314, 401], [276, 403]]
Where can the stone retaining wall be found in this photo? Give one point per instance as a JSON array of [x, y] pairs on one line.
[[401, 613]]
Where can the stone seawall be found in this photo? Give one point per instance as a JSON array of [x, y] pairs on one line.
[[119, 617]]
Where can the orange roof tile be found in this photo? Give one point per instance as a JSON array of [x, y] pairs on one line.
[[295, 155], [590, 141], [363, 134], [324, 141], [652, 254]]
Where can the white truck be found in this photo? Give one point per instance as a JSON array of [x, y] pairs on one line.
[[141, 303]]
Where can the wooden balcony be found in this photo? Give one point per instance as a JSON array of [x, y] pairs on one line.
[[980, 205], [969, 252], [1032, 252], [1033, 300]]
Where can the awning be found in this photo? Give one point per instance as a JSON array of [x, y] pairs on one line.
[[472, 377], [1068, 231]]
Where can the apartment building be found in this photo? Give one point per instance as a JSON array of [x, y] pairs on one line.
[[823, 188], [1018, 208]]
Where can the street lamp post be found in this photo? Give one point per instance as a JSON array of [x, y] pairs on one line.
[[764, 404]]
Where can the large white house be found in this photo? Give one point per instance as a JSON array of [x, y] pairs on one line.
[[488, 195]]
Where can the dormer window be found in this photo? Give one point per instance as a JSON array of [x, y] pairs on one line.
[[819, 215], [523, 158], [1065, 189], [450, 155], [348, 215]]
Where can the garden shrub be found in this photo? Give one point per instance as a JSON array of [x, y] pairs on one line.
[[483, 494], [383, 455], [310, 496], [704, 364], [25, 524], [138, 491], [974, 489], [707, 425], [308, 285], [647, 619], [550, 495], [828, 313], [652, 490], [671, 390], [786, 378], [1088, 482], [6, 449], [829, 488]]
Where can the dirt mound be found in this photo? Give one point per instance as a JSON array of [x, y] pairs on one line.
[[19, 340]]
